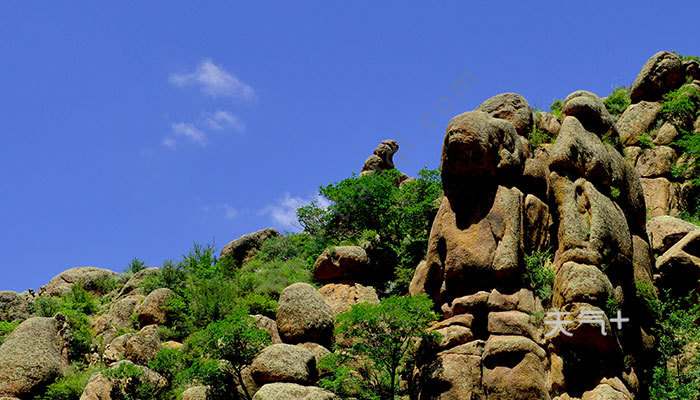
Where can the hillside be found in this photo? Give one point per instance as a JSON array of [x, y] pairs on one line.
[[554, 255]]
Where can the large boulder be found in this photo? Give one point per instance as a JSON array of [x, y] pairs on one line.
[[637, 119], [581, 283], [342, 263], [511, 107], [100, 387], [656, 161], [33, 355], [341, 296], [680, 265], [548, 123], [134, 284], [589, 109], [667, 134], [153, 309], [288, 391], [118, 316], [661, 73], [245, 247], [143, 347], [664, 197], [14, 306], [196, 393], [665, 231], [453, 375], [691, 68], [382, 159], [284, 363], [303, 316], [514, 368], [92, 278]]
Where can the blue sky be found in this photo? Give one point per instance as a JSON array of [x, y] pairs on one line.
[[133, 130]]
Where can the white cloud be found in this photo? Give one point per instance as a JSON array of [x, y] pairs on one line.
[[229, 212], [168, 142], [214, 81], [221, 120], [284, 213], [189, 131]]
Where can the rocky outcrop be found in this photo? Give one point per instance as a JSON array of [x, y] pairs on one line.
[[153, 309], [680, 265], [513, 108], [665, 231], [139, 347], [15, 306], [133, 285], [100, 387], [342, 263], [284, 363], [382, 159], [303, 316], [245, 247], [341, 296], [118, 316], [286, 391], [637, 119], [269, 325], [33, 355], [92, 279], [659, 75]]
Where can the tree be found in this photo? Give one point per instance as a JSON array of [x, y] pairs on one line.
[[385, 333], [237, 340]]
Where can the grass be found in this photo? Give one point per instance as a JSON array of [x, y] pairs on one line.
[[539, 272]]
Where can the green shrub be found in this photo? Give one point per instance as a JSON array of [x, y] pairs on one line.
[[618, 101], [169, 363], [6, 328], [537, 136], [539, 273], [72, 384], [679, 106], [555, 108], [135, 266], [645, 141], [686, 57], [384, 334], [129, 383]]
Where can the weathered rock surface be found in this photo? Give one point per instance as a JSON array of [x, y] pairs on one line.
[[90, 277], [548, 123], [382, 159], [303, 316], [342, 263], [661, 73], [656, 162], [100, 387], [511, 107], [14, 306], [590, 111], [665, 231], [268, 324], [153, 309], [119, 316], [245, 247], [680, 265], [341, 296], [636, 120], [664, 197], [133, 285], [33, 355], [195, 393], [284, 363], [288, 391]]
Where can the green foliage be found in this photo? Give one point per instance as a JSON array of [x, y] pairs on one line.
[[344, 380], [6, 328], [537, 136], [76, 305], [540, 273], [689, 147], [394, 221], [212, 373], [135, 266], [618, 101], [169, 363], [71, 385], [384, 335], [677, 373], [680, 106], [129, 383], [686, 57], [612, 305], [555, 108], [645, 141], [614, 192]]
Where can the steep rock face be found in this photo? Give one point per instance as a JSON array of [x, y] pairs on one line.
[[382, 159], [14, 306], [90, 277], [245, 247], [33, 355], [588, 206], [511, 107], [659, 75]]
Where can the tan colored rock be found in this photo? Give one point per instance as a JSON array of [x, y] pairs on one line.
[[513, 323], [680, 265], [90, 277], [511, 107], [33, 355], [100, 387], [196, 393], [473, 303], [536, 223], [133, 285], [143, 347], [172, 345], [452, 377], [153, 309], [665, 231], [119, 316], [319, 352], [661, 73], [340, 296], [581, 283], [656, 161], [268, 324], [642, 261], [590, 111], [284, 363], [454, 335], [245, 247], [523, 375], [288, 391], [636, 120], [632, 154], [14, 306], [382, 159], [114, 351], [666, 134], [663, 197], [691, 68], [548, 123], [342, 263], [303, 316], [604, 391], [522, 300]]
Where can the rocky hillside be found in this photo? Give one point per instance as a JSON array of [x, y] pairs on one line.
[[555, 255]]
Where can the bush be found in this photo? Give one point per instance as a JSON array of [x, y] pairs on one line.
[[385, 335], [618, 101], [555, 108], [537, 136], [539, 273], [680, 106], [135, 266], [72, 384], [6, 328], [129, 383]]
